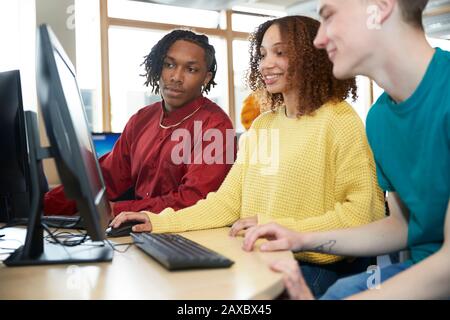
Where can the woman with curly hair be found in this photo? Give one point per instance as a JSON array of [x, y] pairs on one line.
[[320, 172]]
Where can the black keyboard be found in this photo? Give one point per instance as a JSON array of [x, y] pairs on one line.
[[64, 222], [176, 252]]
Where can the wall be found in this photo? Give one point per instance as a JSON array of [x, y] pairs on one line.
[[17, 36]]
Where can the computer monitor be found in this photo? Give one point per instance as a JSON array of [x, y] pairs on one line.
[[14, 171], [72, 148], [104, 142]]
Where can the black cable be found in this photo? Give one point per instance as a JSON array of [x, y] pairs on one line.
[[66, 242], [55, 237], [113, 246]]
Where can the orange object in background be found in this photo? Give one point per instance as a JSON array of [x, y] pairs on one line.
[[252, 107]]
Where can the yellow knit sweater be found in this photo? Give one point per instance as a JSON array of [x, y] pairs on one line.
[[314, 173]]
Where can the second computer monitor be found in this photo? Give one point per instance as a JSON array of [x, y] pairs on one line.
[[14, 172], [104, 142]]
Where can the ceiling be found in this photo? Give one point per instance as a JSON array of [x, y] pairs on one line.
[[437, 17], [280, 5]]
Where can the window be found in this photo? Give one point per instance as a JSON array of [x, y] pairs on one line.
[[241, 65], [247, 19], [127, 49], [441, 43], [219, 94], [247, 23], [363, 103], [87, 37], [136, 10]]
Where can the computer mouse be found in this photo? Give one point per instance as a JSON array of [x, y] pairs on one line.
[[122, 231]]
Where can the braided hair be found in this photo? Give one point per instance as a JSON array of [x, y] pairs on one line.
[[154, 60]]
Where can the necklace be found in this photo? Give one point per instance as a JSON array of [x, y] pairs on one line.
[[178, 123]]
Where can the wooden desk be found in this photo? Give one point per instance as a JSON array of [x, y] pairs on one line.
[[134, 275]]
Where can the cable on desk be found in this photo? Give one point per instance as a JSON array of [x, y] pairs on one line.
[[67, 240], [70, 239], [113, 246], [67, 237]]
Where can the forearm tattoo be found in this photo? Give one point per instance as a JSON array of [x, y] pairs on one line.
[[325, 247]]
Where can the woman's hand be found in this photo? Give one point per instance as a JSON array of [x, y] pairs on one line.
[[243, 224]]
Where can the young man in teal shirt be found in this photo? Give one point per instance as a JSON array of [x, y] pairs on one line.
[[409, 132]]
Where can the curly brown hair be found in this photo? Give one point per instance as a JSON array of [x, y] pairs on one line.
[[309, 68]]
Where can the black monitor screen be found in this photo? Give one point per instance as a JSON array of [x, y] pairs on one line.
[[13, 149], [76, 110]]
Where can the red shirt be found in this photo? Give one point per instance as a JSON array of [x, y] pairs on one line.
[[142, 159]]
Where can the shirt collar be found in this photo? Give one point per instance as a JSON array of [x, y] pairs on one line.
[[175, 116], [422, 90]]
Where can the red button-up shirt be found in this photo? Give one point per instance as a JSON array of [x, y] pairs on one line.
[[142, 159]]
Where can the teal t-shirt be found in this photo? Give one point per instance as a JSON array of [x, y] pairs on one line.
[[411, 145]]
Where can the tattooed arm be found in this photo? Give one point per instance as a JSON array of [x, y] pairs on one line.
[[428, 279], [377, 238]]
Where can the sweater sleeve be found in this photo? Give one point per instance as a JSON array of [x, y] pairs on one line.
[[219, 209], [359, 200]]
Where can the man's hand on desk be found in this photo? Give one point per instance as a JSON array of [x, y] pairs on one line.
[[243, 224], [144, 222]]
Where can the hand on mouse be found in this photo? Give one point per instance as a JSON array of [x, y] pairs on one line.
[[144, 226]]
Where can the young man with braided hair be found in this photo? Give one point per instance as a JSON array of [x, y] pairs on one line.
[[145, 159]]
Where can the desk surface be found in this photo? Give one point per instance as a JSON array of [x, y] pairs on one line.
[[134, 275]]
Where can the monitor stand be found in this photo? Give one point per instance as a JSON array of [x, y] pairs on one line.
[[35, 251], [59, 254]]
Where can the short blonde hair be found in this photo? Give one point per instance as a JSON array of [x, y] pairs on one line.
[[412, 11]]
